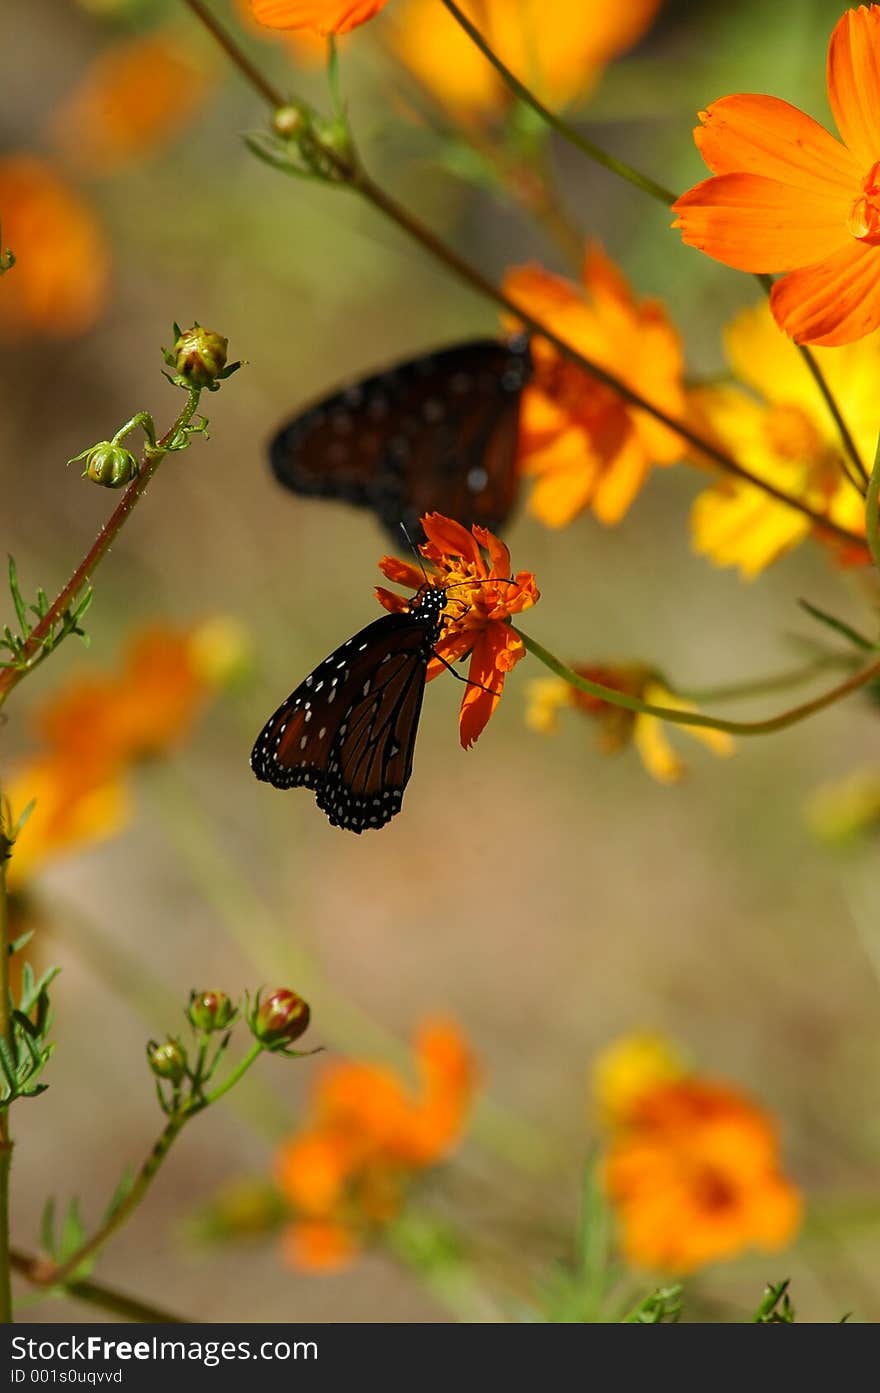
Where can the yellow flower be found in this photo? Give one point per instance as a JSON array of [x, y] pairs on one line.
[[777, 425], [618, 727], [136, 95], [58, 286], [630, 1067], [558, 54], [847, 812]]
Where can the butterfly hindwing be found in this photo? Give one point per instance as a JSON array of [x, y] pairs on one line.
[[348, 731], [435, 433]]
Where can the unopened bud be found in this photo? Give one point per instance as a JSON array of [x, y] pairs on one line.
[[108, 464], [289, 121], [282, 1018], [210, 1011], [200, 356], [167, 1060]]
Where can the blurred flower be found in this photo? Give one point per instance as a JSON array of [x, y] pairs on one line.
[[97, 726], [74, 807], [142, 711], [777, 425], [345, 1174], [692, 1170], [584, 445], [58, 286], [619, 727], [324, 16], [788, 197], [136, 95], [305, 46], [479, 624], [628, 1068], [846, 813], [559, 54]]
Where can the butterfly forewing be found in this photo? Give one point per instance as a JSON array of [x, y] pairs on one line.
[[348, 731], [436, 433]]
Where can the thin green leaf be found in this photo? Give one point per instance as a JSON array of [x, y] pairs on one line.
[[839, 626], [47, 1227], [20, 608]]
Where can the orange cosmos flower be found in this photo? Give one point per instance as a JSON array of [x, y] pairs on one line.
[[324, 16], [75, 806], [482, 599], [789, 197], [559, 55], [346, 1173], [584, 445], [135, 96], [58, 286], [693, 1173], [618, 727]]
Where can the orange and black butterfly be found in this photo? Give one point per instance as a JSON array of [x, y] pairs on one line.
[[436, 433]]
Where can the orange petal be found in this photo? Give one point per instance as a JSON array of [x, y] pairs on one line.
[[452, 647], [854, 82], [395, 604], [499, 554], [479, 701], [326, 16], [757, 224], [834, 302], [750, 134], [449, 538], [401, 572]]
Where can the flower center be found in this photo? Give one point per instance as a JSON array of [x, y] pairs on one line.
[[864, 216]]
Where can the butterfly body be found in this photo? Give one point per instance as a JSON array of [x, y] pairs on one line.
[[348, 730], [434, 433]]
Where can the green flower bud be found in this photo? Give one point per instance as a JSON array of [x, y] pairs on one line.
[[282, 1018], [210, 1011], [109, 464], [289, 121], [200, 356], [167, 1060]]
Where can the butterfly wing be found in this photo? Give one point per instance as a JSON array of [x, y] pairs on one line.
[[348, 731], [437, 432]]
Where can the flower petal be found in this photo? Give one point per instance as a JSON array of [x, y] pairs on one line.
[[449, 538], [499, 554], [854, 82], [752, 134], [326, 16], [833, 302], [494, 654], [757, 224], [401, 572]]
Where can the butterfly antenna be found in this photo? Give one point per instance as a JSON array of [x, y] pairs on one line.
[[415, 551]]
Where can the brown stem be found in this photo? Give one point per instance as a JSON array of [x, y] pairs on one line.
[[350, 172], [33, 1269], [153, 455]]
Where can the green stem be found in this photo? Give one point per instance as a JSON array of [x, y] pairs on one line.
[[561, 126], [762, 686], [655, 190], [5, 1138], [871, 509], [348, 172], [81, 577], [55, 1274], [99, 1294], [695, 718]]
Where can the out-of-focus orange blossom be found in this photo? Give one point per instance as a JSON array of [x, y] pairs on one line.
[[323, 16], [58, 286], [581, 443], [692, 1170], [559, 52], [346, 1172]]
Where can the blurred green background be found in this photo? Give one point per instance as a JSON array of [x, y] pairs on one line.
[[548, 899]]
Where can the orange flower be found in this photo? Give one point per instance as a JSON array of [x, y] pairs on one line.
[[325, 16], [693, 1173], [136, 94], [559, 55], [58, 286], [585, 446], [75, 806], [346, 1173], [484, 597], [789, 197]]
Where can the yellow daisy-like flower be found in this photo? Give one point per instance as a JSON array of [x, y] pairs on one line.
[[627, 1068], [618, 727], [777, 425]]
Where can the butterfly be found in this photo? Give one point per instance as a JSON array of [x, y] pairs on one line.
[[348, 731], [434, 433]]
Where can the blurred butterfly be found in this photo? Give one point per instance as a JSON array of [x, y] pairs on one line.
[[435, 433], [348, 731]]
